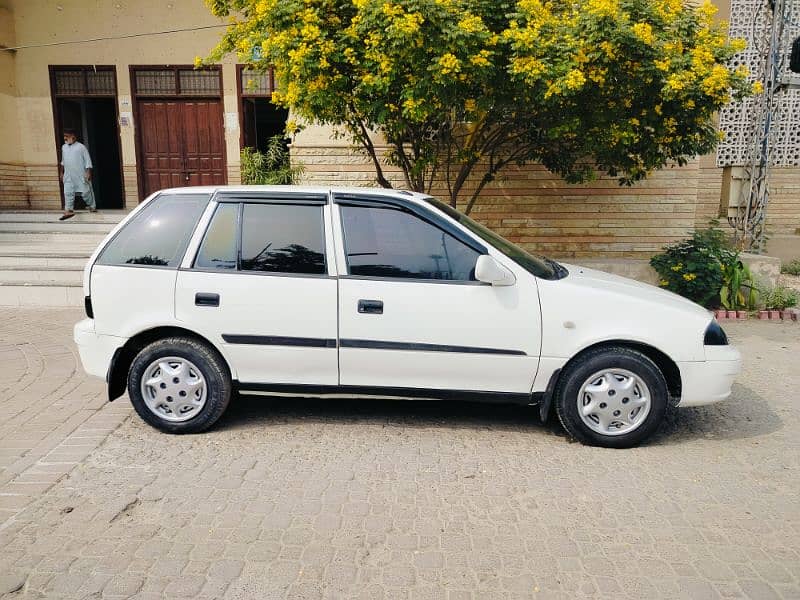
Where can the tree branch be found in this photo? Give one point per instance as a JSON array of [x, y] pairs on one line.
[[366, 142]]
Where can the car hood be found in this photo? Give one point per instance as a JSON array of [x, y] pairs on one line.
[[608, 283]]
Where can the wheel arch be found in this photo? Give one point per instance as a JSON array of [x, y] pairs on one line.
[[668, 367], [121, 362]]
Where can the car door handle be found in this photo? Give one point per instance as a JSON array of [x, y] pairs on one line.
[[370, 306], [206, 299]]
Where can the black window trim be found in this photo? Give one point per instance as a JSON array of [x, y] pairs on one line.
[[402, 205], [413, 280], [302, 198], [138, 215], [266, 198], [391, 202]]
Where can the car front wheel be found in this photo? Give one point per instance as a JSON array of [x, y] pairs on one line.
[[611, 397], [179, 385]]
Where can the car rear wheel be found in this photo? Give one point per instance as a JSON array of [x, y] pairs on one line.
[[611, 397], [179, 385]]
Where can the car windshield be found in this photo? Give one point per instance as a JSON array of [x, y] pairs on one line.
[[539, 266]]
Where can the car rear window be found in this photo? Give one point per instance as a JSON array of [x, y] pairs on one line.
[[158, 235]]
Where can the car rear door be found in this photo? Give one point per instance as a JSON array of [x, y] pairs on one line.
[[261, 287], [412, 315]]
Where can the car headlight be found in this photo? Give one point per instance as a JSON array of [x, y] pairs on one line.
[[715, 336]]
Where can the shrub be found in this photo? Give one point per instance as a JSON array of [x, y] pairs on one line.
[[272, 167], [779, 298], [792, 267], [693, 268]]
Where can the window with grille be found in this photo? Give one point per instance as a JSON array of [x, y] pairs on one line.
[[177, 81], [90, 81], [257, 83]]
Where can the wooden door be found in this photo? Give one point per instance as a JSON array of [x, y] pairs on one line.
[[204, 142], [182, 143]]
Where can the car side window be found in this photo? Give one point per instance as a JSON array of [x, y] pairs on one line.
[[283, 238], [218, 250], [390, 242], [158, 234]]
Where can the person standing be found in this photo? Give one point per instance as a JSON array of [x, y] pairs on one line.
[[76, 173]]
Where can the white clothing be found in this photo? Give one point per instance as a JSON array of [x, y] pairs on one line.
[[75, 159]]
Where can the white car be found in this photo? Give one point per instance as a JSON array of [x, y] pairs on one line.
[[203, 292]]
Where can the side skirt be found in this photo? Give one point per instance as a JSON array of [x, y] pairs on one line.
[[354, 391]]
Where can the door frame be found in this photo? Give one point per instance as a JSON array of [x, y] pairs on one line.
[[57, 123], [136, 97], [242, 95]]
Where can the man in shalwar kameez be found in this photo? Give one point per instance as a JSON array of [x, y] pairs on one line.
[[76, 173]]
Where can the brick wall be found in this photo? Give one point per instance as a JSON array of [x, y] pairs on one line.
[[29, 186], [541, 212], [709, 191], [783, 212]]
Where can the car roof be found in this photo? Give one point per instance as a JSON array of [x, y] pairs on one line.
[[300, 189]]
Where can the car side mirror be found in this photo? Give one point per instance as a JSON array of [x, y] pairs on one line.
[[488, 270]]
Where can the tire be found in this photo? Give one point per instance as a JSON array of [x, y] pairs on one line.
[[194, 389], [611, 397]]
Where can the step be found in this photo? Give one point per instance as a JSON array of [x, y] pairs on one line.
[[10, 275], [68, 227], [43, 293], [10, 237], [110, 217], [45, 261]]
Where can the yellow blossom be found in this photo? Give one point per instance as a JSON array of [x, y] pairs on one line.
[[738, 44], [481, 59], [448, 63], [758, 87], [574, 80], [471, 23], [644, 32], [527, 66], [677, 267], [663, 283], [603, 8], [689, 276]]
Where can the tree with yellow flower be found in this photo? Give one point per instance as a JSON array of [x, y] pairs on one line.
[[461, 89]]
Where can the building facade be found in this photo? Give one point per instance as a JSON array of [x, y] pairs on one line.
[[125, 81]]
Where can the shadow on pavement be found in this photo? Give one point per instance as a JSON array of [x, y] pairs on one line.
[[744, 415], [247, 410]]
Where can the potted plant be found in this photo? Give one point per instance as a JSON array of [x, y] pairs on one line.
[[778, 300], [738, 293]]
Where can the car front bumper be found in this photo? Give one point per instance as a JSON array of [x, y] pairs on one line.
[[709, 381], [96, 350]]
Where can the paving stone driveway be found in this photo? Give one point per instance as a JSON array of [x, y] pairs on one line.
[[371, 499]]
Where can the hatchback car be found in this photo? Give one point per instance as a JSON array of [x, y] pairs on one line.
[[204, 292]]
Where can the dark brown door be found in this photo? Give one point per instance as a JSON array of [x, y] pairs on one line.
[[204, 142], [182, 143]]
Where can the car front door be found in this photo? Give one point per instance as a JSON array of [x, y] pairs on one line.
[[259, 287], [411, 313]]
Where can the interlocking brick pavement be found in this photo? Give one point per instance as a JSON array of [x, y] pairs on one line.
[[53, 414], [297, 498]]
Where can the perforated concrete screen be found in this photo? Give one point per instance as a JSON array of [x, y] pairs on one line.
[[751, 20]]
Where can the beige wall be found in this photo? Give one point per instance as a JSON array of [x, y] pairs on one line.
[[42, 21], [9, 149]]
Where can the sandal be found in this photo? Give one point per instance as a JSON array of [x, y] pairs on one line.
[[66, 216]]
